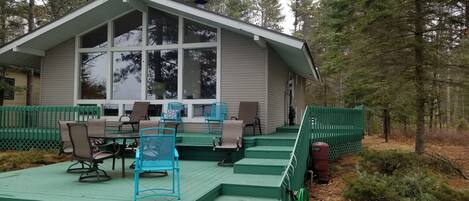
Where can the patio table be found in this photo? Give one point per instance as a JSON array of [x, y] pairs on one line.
[[119, 135]]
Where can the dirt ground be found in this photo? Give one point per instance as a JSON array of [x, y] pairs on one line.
[[345, 166]]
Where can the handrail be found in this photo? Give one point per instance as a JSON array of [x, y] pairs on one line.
[[341, 128], [293, 176]]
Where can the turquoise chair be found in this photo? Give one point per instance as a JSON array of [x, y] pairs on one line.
[[173, 113], [218, 112], [157, 153]]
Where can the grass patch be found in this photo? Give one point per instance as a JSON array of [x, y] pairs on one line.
[[20, 160], [396, 175]]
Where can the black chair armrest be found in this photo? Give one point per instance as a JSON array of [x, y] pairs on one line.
[[114, 146], [239, 143], [234, 118], [216, 141]]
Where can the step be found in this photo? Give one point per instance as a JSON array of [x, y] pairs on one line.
[[256, 191], [260, 166], [242, 198], [275, 141], [246, 187], [288, 129], [269, 152]]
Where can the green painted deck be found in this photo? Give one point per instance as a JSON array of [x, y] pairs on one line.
[[201, 180]]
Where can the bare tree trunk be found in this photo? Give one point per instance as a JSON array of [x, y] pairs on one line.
[[386, 124], [325, 92], [2, 90], [467, 18], [448, 100], [419, 77], [31, 16]]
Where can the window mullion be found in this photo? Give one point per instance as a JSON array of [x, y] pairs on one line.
[[180, 59], [109, 66], [144, 54]]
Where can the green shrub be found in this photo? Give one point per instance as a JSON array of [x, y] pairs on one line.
[[411, 187], [388, 162], [462, 125], [403, 176]]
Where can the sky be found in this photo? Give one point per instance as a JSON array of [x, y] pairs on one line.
[[287, 23]]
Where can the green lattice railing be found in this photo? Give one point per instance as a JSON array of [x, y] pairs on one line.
[[293, 177], [341, 128], [28, 127]]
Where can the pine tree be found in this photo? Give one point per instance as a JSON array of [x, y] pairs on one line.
[[268, 14]]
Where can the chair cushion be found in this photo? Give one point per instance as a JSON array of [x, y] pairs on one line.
[[171, 114], [226, 146], [68, 150], [102, 155]]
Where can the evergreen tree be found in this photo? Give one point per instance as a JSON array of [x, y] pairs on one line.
[[268, 14]]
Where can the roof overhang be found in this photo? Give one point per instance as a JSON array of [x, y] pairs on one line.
[[27, 50]]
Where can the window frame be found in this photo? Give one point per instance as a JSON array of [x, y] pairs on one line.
[[144, 48], [9, 95]]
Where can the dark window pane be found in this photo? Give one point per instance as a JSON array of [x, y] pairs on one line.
[[95, 39], [197, 33], [162, 77], [155, 110], [9, 90], [200, 73], [128, 108], [110, 110], [128, 30], [201, 110], [127, 75], [162, 28], [93, 75]]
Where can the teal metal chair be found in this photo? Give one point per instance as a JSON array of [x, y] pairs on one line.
[[157, 153], [217, 115], [173, 113]]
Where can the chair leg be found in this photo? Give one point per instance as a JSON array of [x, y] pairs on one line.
[[136, 189], [113, 162], [179, 184], [72, 169], [99, 176], [260, 130], [174, 175]]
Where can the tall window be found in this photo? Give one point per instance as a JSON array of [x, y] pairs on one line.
[[95, 39], [162, 76], [128, 30], [162, 28], [200, 73], [198, 33], [176, 60], [93, 75], [127, 75]]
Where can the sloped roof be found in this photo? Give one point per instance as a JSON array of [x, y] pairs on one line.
[[27, 50]]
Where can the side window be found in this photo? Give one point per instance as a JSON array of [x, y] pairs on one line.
[[10, 93]]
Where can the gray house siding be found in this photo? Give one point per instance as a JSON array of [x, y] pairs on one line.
[[243, 74], [57, 75], [299, 98], [277, 87]]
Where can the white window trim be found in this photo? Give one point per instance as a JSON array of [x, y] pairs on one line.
[[181, 46]]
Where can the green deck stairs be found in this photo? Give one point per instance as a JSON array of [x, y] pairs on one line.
[[264, 160]]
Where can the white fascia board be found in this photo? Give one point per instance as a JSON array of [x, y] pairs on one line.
[[30, 51], [298, 44], [310, 62], [139, 5], [52, 25]]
